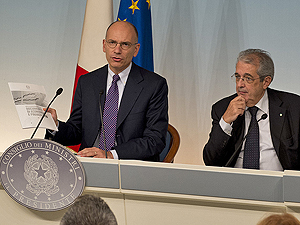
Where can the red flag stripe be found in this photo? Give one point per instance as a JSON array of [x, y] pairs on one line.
[[79, 71]]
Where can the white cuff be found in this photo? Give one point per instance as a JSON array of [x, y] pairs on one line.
[[226, 127], [114, 153]]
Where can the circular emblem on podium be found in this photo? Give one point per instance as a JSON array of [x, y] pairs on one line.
[[41, 174]]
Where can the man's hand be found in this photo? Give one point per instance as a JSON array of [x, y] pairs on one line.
[[53, 114], [235, 108], [95, 153]]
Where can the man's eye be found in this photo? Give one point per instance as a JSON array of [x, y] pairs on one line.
[[111, 42], [248, 78]]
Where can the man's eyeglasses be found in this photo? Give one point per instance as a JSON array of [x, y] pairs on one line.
[[123, 45], [236, 78]]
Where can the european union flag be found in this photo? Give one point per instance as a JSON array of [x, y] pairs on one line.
[[139, 14]]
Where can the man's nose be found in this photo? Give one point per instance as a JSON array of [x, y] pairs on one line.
[[241, 82], [118, 48]]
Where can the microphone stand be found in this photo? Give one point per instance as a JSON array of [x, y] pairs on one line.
[[58, 92], [102, 125]]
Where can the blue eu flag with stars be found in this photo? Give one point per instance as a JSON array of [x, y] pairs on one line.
[[138, 12]]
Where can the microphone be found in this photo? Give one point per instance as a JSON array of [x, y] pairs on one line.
[[263, 117], [58, 92], [101, 121]]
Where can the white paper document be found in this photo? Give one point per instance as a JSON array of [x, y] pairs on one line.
[[30, 99]]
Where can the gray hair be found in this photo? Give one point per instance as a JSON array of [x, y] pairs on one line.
[[89, 210], [266, 65]]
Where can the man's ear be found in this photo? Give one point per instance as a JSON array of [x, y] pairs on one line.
[[103, 45], [267, 81], [136, 50]]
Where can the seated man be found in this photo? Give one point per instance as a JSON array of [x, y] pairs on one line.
[[134, 103], [272, 141]]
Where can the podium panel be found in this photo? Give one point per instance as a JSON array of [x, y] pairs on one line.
[[160, 193], [202, 181], [187, 194]]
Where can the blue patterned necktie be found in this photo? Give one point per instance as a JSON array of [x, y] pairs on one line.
[[251, 150], [110, 115]]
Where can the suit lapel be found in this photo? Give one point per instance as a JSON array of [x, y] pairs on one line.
[[277, 116], [131, 92], [100, 85]]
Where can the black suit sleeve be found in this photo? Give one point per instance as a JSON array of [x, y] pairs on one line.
[[217, 146], [70, 132], [220, 145]]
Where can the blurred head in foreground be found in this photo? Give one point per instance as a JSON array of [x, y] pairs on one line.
[[280, 219], [89, 210]]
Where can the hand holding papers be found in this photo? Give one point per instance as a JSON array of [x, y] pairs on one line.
[[30, 100]]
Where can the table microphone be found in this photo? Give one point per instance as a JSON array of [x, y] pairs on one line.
[[58, 92], [263, 117], [101, 121]]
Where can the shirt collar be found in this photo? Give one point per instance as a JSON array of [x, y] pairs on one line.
[[123, 75], [263, 103]]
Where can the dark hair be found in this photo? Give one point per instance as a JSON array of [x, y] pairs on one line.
[[266, 65], [89, 210]]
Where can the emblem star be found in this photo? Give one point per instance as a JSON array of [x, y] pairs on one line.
[[32, 151], [71, 171], [3, 172], [12, 180], [40, 172], [134, 6], [20, 155], [148, 1], [11, 165], [47, 153], [71, 185], [60, 158], [122, 20]]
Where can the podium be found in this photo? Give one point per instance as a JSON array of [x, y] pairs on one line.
[[161, 193]]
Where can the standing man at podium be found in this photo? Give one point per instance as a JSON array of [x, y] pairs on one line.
[[133, 100], [258, 127]]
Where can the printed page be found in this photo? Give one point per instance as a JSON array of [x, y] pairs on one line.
[[30, 99]]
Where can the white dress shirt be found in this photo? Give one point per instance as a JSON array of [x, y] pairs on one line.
[[121, 83]]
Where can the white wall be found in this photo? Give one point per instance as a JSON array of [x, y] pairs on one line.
[[195, 47], [196, 43], [39, 44]]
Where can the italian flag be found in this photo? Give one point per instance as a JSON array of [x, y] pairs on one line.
[[98, 16]]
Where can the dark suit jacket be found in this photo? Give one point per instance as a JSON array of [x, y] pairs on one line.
[[142, 118], [284, 116]]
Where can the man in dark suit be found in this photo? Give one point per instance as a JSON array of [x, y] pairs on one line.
[[142, 116], [278, 132]]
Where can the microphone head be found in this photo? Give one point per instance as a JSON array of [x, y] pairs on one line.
[[59, 91], [264, 116], [101, 92]]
